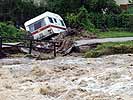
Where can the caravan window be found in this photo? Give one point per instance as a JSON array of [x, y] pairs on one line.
[[62, 23], [50, 20], [31, 27], [37, 25], [55, 20]]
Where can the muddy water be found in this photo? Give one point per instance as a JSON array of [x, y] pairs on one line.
[[67, 78]]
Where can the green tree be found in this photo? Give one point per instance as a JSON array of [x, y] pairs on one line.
[[9, 30], [63, 6], [19, 11], [100, 6]]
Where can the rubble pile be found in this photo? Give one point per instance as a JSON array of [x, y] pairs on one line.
[[65, 41], [67, 78]]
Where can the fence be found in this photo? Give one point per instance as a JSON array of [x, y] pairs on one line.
[[30, 44]]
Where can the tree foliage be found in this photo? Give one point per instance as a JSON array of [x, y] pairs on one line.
[[18, 11], [63, 6], [21, 10], [100, 6], [8, 30], [76, 12]]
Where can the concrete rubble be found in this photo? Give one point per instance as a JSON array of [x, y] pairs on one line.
[[67, 78]]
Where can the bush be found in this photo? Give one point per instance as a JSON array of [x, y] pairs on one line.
[[123, 21], [93, 54], [127, 21], [72, 19], [131, 22], [8, 30], [80, 19], [110, 49], [99, 19], [83, 19]]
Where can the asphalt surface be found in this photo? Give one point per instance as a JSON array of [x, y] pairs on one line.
[[104, 40]]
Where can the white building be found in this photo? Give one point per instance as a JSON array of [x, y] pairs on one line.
[[122, 2]]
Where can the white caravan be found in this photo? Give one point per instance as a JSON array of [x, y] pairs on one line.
[[45, 25]]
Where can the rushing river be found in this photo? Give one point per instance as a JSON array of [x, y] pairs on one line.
[[67, 78]]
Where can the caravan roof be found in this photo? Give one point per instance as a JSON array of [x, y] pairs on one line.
[[46, 14]]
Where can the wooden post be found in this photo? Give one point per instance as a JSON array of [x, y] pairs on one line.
[[31, 46], [0, 44], [54, 43]]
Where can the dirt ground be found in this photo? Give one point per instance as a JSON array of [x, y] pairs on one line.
[[67, 78]]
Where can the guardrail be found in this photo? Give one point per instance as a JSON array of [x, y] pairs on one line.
[[31, 41]]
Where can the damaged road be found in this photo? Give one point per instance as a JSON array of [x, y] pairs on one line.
[[104, 40], [65, 44]]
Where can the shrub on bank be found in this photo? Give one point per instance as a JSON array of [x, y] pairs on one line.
[[110, 49], [8, 30]]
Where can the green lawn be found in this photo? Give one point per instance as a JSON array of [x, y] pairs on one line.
[[114, 34]]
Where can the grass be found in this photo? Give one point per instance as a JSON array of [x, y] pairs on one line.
[[114, 34], [110, 48]]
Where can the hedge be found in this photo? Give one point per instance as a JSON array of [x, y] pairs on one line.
[[9, 30]]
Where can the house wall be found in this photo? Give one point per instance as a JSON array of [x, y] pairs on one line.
[[121, 2]]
